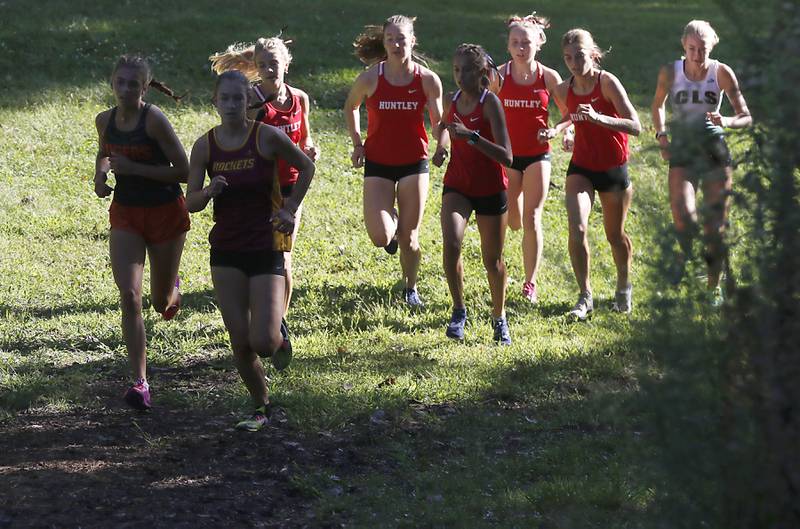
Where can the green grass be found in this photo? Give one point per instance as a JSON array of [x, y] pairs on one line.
[[549, 432]]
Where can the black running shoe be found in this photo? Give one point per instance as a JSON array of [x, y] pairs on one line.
[[283, 356], [391, 248]]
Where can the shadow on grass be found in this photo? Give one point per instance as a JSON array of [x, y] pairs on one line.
[[555, 440], [39, 312], [162, 468], [80, 41], [545, 440], [684, 395]]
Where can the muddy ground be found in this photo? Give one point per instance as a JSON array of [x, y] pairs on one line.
[[120, 468]]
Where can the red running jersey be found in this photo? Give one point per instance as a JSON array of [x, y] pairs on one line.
[[597, 148], [526, 112], [469, 171], [243, 210], [289, 121], [395, 128]]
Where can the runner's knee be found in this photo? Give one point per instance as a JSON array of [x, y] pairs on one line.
[[130, 300], [264, 342]]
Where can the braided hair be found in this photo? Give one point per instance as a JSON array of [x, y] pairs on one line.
[[476, 54]]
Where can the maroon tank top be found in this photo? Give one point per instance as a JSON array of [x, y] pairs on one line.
[[242, 212]]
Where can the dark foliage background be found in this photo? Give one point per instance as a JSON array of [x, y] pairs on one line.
[[726, 400]]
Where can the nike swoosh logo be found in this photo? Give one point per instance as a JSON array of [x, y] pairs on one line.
[[474, 119], [412, 90], [594, 99]]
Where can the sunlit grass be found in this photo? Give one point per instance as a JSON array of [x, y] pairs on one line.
[[472, 435]]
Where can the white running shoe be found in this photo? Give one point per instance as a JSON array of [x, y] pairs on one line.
[[623, 300], [583, 307]]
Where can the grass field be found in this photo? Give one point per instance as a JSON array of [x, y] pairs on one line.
[[386, 423]]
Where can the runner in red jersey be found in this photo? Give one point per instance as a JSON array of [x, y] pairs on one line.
[[148, 214], [475, 181], [252, 230], [603, 117], [395, 156], [286, 107], [524, 86]]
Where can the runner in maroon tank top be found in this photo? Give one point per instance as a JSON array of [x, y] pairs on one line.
[[525, 86], [397, 90], [266, 63], [603, 117], [252, 230], [475, 181]]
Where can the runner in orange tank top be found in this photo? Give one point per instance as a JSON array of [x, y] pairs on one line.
[[397, 90], [603, 117]]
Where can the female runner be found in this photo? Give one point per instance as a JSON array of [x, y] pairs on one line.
[[148, 212], [524, 87], [697, 152], [475, 180], [397, 89], [603, 116], [252, 228]]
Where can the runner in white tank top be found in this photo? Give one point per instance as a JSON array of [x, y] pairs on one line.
[[693, 101], [695, 145]]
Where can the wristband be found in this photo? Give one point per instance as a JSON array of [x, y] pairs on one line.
[[474, 137], [661, 134]]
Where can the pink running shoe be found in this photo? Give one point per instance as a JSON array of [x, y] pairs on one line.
[[138, 396], [529, 292], [172, 310]]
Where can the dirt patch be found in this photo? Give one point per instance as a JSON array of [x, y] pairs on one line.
[[118, 468]]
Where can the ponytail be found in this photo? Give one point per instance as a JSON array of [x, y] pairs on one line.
[[238, 56], [369, 43], [242, 57], [166, 90]]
